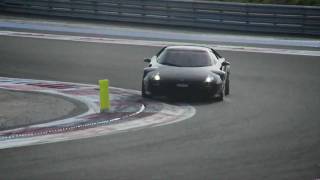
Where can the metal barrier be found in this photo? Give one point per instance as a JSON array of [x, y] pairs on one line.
[[204, 14]]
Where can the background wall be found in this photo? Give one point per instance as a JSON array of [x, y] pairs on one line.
[[303, 20]]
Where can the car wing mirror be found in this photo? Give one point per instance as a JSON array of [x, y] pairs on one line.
[[147, 60], [225, 63]]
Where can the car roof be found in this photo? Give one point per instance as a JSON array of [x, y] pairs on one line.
[[199, 48]]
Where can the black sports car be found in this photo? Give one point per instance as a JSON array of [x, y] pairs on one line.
[[186, 71]]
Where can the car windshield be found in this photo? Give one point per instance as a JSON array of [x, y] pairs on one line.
[[185, 58]]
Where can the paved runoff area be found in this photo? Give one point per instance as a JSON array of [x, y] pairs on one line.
[[55, 25], [19, 108]]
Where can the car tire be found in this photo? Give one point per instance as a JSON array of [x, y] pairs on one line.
[[227, 86]]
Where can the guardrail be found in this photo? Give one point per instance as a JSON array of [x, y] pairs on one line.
[[205, 14]]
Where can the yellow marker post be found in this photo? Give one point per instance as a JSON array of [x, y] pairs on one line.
[[104, 95]]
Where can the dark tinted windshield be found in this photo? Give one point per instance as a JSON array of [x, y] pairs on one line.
[[185, 58]]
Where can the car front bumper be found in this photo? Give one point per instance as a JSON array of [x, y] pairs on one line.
[[184, 89]]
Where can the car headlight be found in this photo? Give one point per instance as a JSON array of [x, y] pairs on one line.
[[156, 77], [209, 79]]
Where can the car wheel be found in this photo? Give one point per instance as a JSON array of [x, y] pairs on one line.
[[227, 86]]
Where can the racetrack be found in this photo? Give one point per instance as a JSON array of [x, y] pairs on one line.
[[268, 128]]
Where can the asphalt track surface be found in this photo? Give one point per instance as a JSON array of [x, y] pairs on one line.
[[268, 128]]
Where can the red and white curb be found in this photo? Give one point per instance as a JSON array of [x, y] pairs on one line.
[[158, 43], [129, 111]]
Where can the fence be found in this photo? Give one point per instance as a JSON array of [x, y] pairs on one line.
[[205, 14]]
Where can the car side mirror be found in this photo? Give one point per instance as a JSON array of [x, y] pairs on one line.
[[147, 60], [225, 63]]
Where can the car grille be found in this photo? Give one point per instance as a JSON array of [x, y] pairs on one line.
[[179, 88]]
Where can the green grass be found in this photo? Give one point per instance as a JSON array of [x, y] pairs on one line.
[[286, 2]]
